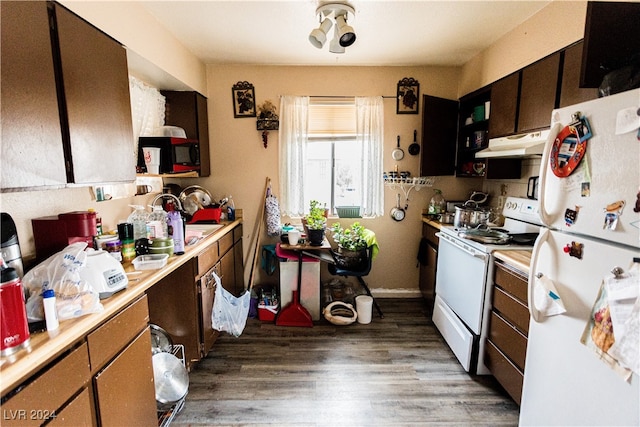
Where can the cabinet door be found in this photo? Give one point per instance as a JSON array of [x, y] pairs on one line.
[[32, 154], [173, 305], [538, 93], [227, 273], [238, 260], [439, 130], [96, 90], [504, 104], [125, 392], [571, 92], [207, 295]]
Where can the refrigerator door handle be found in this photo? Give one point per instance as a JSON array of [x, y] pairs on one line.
[[545, 216], [541, 240]]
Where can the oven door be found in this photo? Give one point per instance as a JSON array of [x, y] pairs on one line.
[[461, 279]]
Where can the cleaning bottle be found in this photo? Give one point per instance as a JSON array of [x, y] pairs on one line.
[[176, 231], [437, 204], [231, 210]]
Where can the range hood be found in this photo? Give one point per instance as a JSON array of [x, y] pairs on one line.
[[516, 146]]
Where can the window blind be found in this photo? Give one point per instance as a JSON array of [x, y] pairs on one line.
[[332, 117]]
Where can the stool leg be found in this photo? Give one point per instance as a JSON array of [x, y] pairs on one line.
[[366, 288]]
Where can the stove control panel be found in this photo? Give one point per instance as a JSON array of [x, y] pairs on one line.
[[522, 209]]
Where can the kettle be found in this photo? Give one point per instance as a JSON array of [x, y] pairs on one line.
[[10, 247]]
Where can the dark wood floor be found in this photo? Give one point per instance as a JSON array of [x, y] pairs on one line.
[[395, 371]]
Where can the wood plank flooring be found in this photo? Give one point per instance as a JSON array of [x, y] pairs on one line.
[[395, 371]]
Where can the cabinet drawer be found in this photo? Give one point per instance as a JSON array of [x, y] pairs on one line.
[[511, 283], [77, 413], [107, 341], [207, 259], [511, 342], [225, 243], [49, 391], [511, 309], [507, 374]]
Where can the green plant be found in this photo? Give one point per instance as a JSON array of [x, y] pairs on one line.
[[351, 239], [315, 218]]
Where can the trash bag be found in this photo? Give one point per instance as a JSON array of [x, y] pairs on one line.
[[75, 297], [229, 312]]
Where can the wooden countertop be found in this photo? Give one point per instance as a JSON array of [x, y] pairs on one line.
[[520, 259], [431, 222], [46, 346]]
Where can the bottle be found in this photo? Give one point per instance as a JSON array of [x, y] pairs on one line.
[[437, 204], [139, 220], [50, 312], [114, 247], [125, 232], [176, 231], [98, 222], [157, 223], [14, 333], [231, 210]]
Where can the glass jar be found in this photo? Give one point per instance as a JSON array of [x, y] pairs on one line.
[[114, 247]]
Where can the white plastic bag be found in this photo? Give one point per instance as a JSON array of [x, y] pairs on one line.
[[60, 272], [229, 312]]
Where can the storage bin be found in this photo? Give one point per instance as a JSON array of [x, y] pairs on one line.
[[267, 313], [348, 211]]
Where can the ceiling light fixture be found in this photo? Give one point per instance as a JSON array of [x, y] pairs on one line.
[[344, 34]]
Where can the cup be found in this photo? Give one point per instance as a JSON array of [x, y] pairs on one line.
[[294, 236], [152, 159]]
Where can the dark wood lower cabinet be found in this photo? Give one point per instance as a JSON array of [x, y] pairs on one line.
[[506, 349]]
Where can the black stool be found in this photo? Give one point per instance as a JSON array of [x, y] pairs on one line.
[[359, 274]]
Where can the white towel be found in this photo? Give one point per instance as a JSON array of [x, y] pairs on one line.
[[546, 298]]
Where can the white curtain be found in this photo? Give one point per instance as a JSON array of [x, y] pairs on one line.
[[147, 108], [294, 113], [370, 132]]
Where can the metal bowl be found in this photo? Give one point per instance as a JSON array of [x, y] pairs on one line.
[[170, 377], [195, 197]]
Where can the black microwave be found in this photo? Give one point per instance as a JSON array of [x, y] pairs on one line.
[[176, 154]]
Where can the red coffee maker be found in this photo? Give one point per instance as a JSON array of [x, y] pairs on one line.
[[52, 234], [13, 314]]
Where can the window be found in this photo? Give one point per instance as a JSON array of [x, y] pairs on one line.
[[331, 151]]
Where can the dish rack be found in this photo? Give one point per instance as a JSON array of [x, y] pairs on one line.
[[166, 415], [409, 183]]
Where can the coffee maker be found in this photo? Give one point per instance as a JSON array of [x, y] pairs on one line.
[[10, 247], [52, 234]]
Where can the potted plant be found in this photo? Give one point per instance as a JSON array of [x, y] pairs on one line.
[[315, 223], [352, 246]]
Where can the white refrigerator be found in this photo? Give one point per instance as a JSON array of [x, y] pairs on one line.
[[590, 212]]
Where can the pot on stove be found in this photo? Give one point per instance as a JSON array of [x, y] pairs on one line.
[[470, 215]]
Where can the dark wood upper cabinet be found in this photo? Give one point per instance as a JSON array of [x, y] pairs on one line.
[[504, 106], [31, 133], [65, 101], [439, 130], [538, 93], [571, 92], [98, 106], [188, 110]]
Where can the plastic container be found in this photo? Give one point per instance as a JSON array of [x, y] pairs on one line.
[[364, 304], [139, 219], [150, 262], [437, 204], [267, 313], [114, 247]]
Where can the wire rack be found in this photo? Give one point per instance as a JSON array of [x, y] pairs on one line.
[[166, 415], [409, 183]]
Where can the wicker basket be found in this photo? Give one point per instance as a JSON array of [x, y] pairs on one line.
[[348, 211]]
